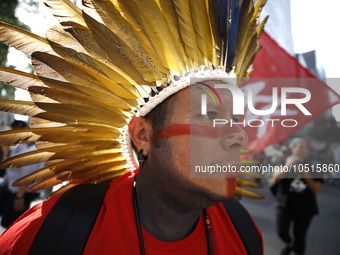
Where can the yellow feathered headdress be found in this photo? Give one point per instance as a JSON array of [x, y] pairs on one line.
[[92, 68]]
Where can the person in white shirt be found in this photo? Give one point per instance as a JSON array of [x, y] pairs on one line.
[[20, 199]]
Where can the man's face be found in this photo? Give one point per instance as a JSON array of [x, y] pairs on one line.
[[189, 140], [300, 149]]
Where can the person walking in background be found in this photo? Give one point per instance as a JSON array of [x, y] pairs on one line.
[[4, 192], [3, 156], [19, 199], [296, 196]]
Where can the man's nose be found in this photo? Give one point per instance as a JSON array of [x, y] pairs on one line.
[[234, 141]]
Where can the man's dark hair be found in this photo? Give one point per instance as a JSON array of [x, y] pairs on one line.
[[159, 116]]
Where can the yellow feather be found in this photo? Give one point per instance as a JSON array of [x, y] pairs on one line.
[[246, 151], [62, 152], [109, 175], [258, 8], [109, 158], [249, 162], [104, 177], [107, 40], [76, 113], [248, 193], [260, 28], [41, 98], [67, 96], [91, 163], [242, 40], [247, 48], [12, 137], [87, 150], [22, 40], [247, 55], [73, 52], [97, 170], [27, 159], [20, 107], [78, 56], [201, 24], [158, 32], [188, 33], [63, 189], [214, 26], [87, 125], [83, 176], [119, 30], [64, 10], [54, 67], [67, 165], [74, 135], [247, 183], [130, 11], [96, 92], [18, 79], [85, 63], [46, 172], [50, 182], [253, 69], [64, 37], [112, 62], [41, 123], [170, 15]]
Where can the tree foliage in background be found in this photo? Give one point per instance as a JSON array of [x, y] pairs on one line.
[[7, 11], [6, 92]]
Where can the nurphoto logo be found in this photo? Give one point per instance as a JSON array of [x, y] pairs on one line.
[[239, 106]]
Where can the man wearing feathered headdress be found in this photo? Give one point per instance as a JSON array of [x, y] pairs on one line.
[[88, 116]]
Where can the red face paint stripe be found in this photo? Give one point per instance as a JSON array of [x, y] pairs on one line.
[[231, 186], [197, 130], [173, 130]]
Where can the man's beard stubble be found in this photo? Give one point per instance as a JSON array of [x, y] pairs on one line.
[[178, 190]]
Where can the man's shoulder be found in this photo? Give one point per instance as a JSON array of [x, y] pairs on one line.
[[229, 209], [231, 202], [120, 186], [236, 211], [18, 238], [234, 214]]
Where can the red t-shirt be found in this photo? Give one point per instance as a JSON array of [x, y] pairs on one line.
[[115, 230]]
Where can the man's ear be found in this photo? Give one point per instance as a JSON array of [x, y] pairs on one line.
[[140, 131]]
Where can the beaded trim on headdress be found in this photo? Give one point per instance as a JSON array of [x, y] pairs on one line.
[[185, 81]]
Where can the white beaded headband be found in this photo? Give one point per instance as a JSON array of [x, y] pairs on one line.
[[188, 79]]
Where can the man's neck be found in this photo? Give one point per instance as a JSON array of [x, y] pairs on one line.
[[160, 217]]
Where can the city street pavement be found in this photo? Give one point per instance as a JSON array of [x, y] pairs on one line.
[[323, 234]]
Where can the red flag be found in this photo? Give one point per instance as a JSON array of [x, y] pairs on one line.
[[274, 63]]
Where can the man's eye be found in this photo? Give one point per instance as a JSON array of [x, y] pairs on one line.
[[211, 115], [235, 119]]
